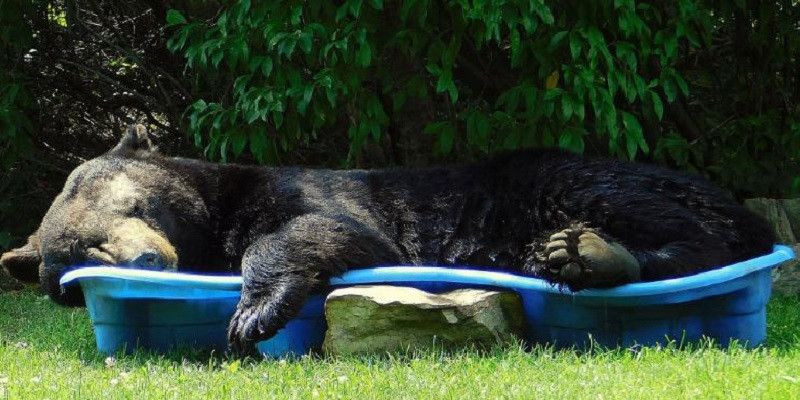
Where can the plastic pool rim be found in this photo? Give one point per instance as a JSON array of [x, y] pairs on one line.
[[467, 276]]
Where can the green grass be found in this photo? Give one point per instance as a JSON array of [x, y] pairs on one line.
[[48, 352]]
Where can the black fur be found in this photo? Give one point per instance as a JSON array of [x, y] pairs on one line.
[[291, 229], [550, 213]]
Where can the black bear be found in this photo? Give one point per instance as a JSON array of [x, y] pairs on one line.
[[576, 222]]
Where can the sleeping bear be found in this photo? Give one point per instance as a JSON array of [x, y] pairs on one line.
[[576, 222]]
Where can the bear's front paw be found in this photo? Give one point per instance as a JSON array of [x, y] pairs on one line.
[[247, 326], [580, 258]]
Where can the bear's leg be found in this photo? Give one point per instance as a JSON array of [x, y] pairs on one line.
[[282, 269], [580, 257], [682, 258]]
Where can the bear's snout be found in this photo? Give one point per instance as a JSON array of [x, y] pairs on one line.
[[150, 258], [133, 243]]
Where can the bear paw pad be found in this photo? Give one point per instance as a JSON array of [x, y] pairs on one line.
[[580, 258]]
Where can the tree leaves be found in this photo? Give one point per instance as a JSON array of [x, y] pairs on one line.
[[542, 11], [444, 81], [556, 39], [658, 106], [572, 139], [478, 130], [297, 69], [445, 133], [575, 46], [634, 136], [364, 55], [174, 17]]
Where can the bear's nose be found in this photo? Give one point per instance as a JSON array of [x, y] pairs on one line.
[[148, 258]]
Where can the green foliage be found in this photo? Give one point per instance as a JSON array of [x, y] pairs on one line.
[[742, 123], [708, 86], [15, 126], [493, 74]]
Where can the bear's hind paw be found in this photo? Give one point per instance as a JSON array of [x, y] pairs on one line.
[[580, 258]]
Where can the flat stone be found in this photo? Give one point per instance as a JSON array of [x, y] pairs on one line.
[[376, 319]]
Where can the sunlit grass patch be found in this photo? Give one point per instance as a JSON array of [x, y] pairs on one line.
[[48, 351]]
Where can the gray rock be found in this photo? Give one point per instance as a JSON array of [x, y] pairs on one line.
[[375, 319], [784, 215]]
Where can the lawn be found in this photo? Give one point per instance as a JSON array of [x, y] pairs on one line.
[[48, 352]]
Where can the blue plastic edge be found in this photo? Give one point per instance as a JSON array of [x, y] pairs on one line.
[[472, 276]]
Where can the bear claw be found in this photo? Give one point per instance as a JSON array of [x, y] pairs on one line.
[[242, 332]]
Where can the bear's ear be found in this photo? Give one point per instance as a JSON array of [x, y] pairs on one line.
[[136, 140], [23, 263]]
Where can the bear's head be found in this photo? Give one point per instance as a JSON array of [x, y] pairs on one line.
[[127, 207]]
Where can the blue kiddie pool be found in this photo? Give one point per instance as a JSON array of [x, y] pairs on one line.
[[163, 310]]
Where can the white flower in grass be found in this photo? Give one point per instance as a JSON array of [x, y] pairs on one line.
[[110, 362], [36, 379]]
